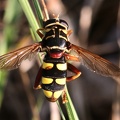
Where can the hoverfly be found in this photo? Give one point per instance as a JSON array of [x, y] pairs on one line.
[[52, 75]]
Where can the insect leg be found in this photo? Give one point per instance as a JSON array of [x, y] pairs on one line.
[[74, 70], [64, 97], [71, 57], [40, 33], [38, 79]]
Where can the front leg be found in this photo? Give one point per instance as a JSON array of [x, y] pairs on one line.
[[40, 33], [38, 79], [74, 70], [71, 57]]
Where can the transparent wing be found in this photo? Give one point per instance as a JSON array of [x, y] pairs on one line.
[[96, 63], [13, 59]]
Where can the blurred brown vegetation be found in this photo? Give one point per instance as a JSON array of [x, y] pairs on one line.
[[96, 27]]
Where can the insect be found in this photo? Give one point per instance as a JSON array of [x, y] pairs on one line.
[[52, 75]]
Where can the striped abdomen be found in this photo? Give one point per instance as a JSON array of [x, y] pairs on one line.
[[54, 74]]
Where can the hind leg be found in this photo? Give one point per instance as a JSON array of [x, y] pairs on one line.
[[38, 79], [74, 70]]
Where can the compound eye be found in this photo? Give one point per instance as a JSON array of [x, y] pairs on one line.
[[64, 23]]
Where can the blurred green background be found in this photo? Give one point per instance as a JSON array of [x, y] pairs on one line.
[[96, 27]]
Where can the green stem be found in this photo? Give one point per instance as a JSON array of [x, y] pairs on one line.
[[38, 12], [30, 17], [70, 108], [61, 112]]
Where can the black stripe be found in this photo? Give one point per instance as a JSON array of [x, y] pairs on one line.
[[54, 72], [52, 87]]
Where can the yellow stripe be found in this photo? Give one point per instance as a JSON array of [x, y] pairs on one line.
[[52, 36], [57, 94], [47, 66], [62, 66], [61, 81], [57, 23], [47, 80], [48, 93], [65, 31], [60, 36]]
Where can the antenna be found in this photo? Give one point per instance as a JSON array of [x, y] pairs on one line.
[[46, 15]]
